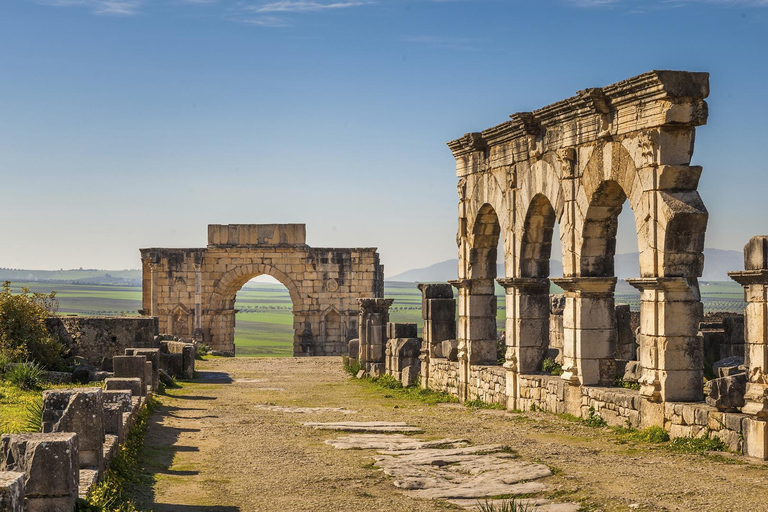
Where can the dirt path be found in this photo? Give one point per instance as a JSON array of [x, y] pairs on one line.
[[211, 449]]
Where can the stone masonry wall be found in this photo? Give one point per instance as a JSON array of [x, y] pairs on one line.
[[545, 392], [488, 383], [444, 375], [96, 338]]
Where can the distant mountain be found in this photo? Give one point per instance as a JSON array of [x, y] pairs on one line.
[[717, 264], [129, 277]]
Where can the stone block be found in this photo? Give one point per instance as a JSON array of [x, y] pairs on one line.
[[149, 376], [353, 348], [134, 385], [50, 464], [436, 290], [172, 364], [756, 253], [401, 330], [409, 375], [152, 355], [80, 411], [131, 367], [11, 491], [756, 438], [113, 420]]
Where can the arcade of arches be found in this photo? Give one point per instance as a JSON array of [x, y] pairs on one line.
[[575, 163], [192, 291]]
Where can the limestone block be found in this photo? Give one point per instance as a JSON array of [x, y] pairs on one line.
[[756, 253], [152, 355], [120, 398], [50, 464], [11, 491], [401, 330], [131, 367], [133, 385], [353, 348], [80, 411], [409, 375], [755, 438], [149, 377]]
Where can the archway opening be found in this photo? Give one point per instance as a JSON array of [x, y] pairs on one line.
[[485, 319], [264, 320]]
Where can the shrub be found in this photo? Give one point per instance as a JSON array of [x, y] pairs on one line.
[[552, 367], [388, 382], [23, 335], [201, 349], [594, 419], [697, 444], [351, 366], [26, 376]]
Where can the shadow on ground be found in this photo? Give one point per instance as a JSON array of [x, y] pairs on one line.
[[156, 459]]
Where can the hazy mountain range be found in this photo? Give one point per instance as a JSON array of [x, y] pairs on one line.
[[717, 264]]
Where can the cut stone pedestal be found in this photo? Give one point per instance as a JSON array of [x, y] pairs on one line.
[[11, 491], [131, 367], [80, 411]]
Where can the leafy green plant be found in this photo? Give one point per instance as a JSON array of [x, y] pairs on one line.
[[388, 382], [23, 335], [552, 367], [33, 416], [594, 419], [697, 445], [351, 366], [654, 434], [504, 506], [621, 383], [201, 349], [27, 376]]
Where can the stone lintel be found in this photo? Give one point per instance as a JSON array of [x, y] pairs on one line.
[[750, 277], [587, 286], [524, 284]]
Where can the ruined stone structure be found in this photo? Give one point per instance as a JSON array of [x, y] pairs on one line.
[[576, 162], [192, 291]]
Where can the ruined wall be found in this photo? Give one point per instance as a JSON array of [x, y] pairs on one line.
[[193, 291], [543, 392], [96, 338]]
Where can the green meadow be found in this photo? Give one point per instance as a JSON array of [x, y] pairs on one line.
[[264, 322]]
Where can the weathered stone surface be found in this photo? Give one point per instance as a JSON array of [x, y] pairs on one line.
[[372, 333], [306, 410], [390, 442], [402, 330], [192, 291], [353, 349], [632, 371], [11, 491], [50, 464], [726, 393], [729, 366], [363, 426], [81, 411], [113, 420], [179, 358], [132, 385], [409, 375], [152, 355]]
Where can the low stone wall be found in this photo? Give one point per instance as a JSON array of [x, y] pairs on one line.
[[98, 338], [82, 430], [544, 392], [444, 375], [619, 407], [695, 419], [488, 383]]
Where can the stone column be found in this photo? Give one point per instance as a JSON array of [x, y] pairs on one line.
[[438, 310], [671, 353], [589, 330], [755, 282], [527, 328], [197, 333], [372, 332]]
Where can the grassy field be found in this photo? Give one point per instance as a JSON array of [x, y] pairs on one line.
[[265, 323]]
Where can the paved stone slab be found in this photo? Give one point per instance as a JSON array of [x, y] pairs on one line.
[[390, 442], [305, 410], [362, 426]]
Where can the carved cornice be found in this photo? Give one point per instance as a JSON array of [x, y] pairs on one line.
[[586, 286], [587, 116], [525, 284], [750, 277]]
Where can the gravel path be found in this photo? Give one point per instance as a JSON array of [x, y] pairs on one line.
[[211, 447]]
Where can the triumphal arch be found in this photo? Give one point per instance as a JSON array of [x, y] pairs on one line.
[[192, 291], [576, 162]]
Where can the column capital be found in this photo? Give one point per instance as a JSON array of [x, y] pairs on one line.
[[749, 277], [525, 284], [586, 286], [374, 305]]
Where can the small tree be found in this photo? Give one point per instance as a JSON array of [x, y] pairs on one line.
[[23, 335]]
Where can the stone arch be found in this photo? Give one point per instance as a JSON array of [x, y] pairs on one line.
[[483, 243], [536, 240], [231, 282]]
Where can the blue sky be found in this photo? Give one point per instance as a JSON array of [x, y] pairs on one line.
[[135, 123]]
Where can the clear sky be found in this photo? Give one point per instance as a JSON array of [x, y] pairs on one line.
[[135, 123]]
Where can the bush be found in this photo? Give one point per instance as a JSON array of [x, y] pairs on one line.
[[23, 335], [552, 367], [594, 419], [388, 382], [697, 444], [26, 376], [351, 366], [201, 349]]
